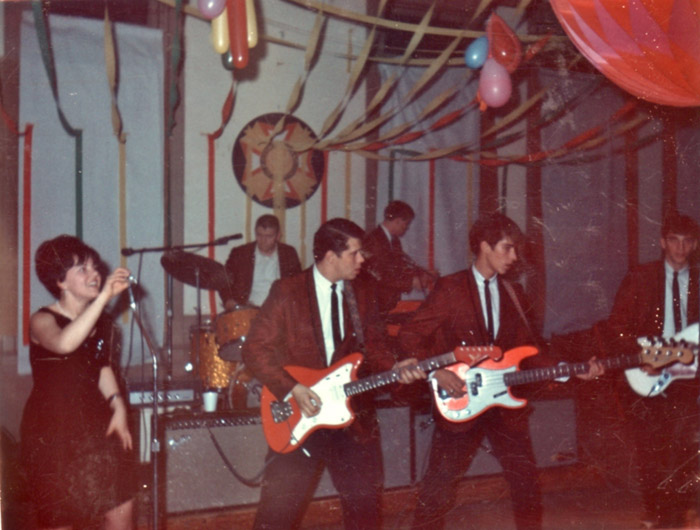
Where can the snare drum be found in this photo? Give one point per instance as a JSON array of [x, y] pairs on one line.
[[231, 330], [214, 371]]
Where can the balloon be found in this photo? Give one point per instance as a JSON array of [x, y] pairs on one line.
[[211, 8], [219, 33], [227, 60], [476, 53], [495, 86], [251, 24], [651, 49], [237, 32], [504, 45]]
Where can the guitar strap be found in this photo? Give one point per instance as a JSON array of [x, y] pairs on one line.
[[511, 292], [349, 294]]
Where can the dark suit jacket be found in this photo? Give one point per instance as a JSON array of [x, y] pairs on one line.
[[638, 309], [452, 316], [240, 266], [287, 331], [388, 266]]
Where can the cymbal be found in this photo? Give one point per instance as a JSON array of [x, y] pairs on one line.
[[184, 266]]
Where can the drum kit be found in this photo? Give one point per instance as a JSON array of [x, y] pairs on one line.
[[216, 348]]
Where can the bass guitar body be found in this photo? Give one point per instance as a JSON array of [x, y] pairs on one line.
[[484, 387], [651, 385]]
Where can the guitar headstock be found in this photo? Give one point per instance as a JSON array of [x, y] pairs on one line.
[[473, 355], [659, 352]]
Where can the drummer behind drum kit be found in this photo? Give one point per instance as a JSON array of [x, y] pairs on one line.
[[216, 348]]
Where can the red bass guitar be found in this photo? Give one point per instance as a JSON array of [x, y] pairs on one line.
[[488, 385]]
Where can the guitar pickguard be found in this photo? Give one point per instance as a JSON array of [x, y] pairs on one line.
[[335, 409]]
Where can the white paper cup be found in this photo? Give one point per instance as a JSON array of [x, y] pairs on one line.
[[209, 400]]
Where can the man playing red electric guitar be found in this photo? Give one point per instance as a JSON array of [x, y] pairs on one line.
[[313, 320]]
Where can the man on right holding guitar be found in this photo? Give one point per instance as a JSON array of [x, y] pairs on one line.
[[661, 298], [477, 306]]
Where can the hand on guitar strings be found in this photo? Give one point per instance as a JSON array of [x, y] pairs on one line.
[[409, 371], [450, 382], [595, 370], [309, 402]]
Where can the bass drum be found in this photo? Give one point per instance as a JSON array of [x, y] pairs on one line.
[[214, 371], [231, 330]]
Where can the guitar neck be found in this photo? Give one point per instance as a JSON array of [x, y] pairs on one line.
[[567, 370], [381, 379]]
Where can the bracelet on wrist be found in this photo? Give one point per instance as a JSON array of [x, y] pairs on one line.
[[114, 396]]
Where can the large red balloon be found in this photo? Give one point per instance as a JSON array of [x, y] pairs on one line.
[[650, 48], [504, 45]]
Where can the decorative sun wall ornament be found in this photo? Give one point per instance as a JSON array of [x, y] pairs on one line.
[[277, 170]]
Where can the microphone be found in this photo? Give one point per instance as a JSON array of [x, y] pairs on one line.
[[226, 239], [127, 251], [132, 300]]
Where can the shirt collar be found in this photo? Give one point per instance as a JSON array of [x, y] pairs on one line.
[[324, 283], [480, 278], [669, 270]]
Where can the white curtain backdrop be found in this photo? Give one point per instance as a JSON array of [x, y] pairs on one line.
[[456, 189], [78, 49]]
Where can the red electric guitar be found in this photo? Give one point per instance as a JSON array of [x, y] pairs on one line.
[[286, 428], [488, 385]]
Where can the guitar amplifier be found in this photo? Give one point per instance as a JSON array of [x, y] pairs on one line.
[[198, 478]]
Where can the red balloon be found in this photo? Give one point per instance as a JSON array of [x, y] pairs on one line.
[[495, 86], [651, 49], [238, 32], [504, 45]]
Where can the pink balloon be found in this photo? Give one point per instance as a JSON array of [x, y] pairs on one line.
[[495, 86], [211, 8]]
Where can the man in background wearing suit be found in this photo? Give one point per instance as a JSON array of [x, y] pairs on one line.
[[252, 268], [313, 320], [663, 428], [394, 271]]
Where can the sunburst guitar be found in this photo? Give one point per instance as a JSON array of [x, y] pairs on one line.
[[286, 428], [488, 385]]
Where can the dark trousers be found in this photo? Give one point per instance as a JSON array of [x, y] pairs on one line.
[[664, 431], [355, 467], [451, 454]]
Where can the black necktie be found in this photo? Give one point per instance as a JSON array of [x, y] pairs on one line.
[[395, 244], [489, 311], [676, 303], [335, 317]]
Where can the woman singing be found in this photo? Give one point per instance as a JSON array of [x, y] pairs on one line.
[[75, 437]]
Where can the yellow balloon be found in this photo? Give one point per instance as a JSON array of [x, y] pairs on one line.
[[219, 33], [251, 23]]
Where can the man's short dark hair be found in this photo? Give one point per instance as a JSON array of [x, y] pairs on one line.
[[54, 257], [492, 228], [683, 225], [398, 210], [268, 221], [333, 235]]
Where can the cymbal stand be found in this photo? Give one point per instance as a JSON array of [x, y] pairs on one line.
[[169, 295]]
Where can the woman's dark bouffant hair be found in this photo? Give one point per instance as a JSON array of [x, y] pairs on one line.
[[54, 257]]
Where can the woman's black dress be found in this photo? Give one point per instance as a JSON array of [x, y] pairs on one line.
[[74, 472]]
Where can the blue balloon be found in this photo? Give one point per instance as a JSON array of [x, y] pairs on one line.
[[477, 52]]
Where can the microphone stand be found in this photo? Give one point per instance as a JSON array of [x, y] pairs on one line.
[[155, 427], [155, 442]]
